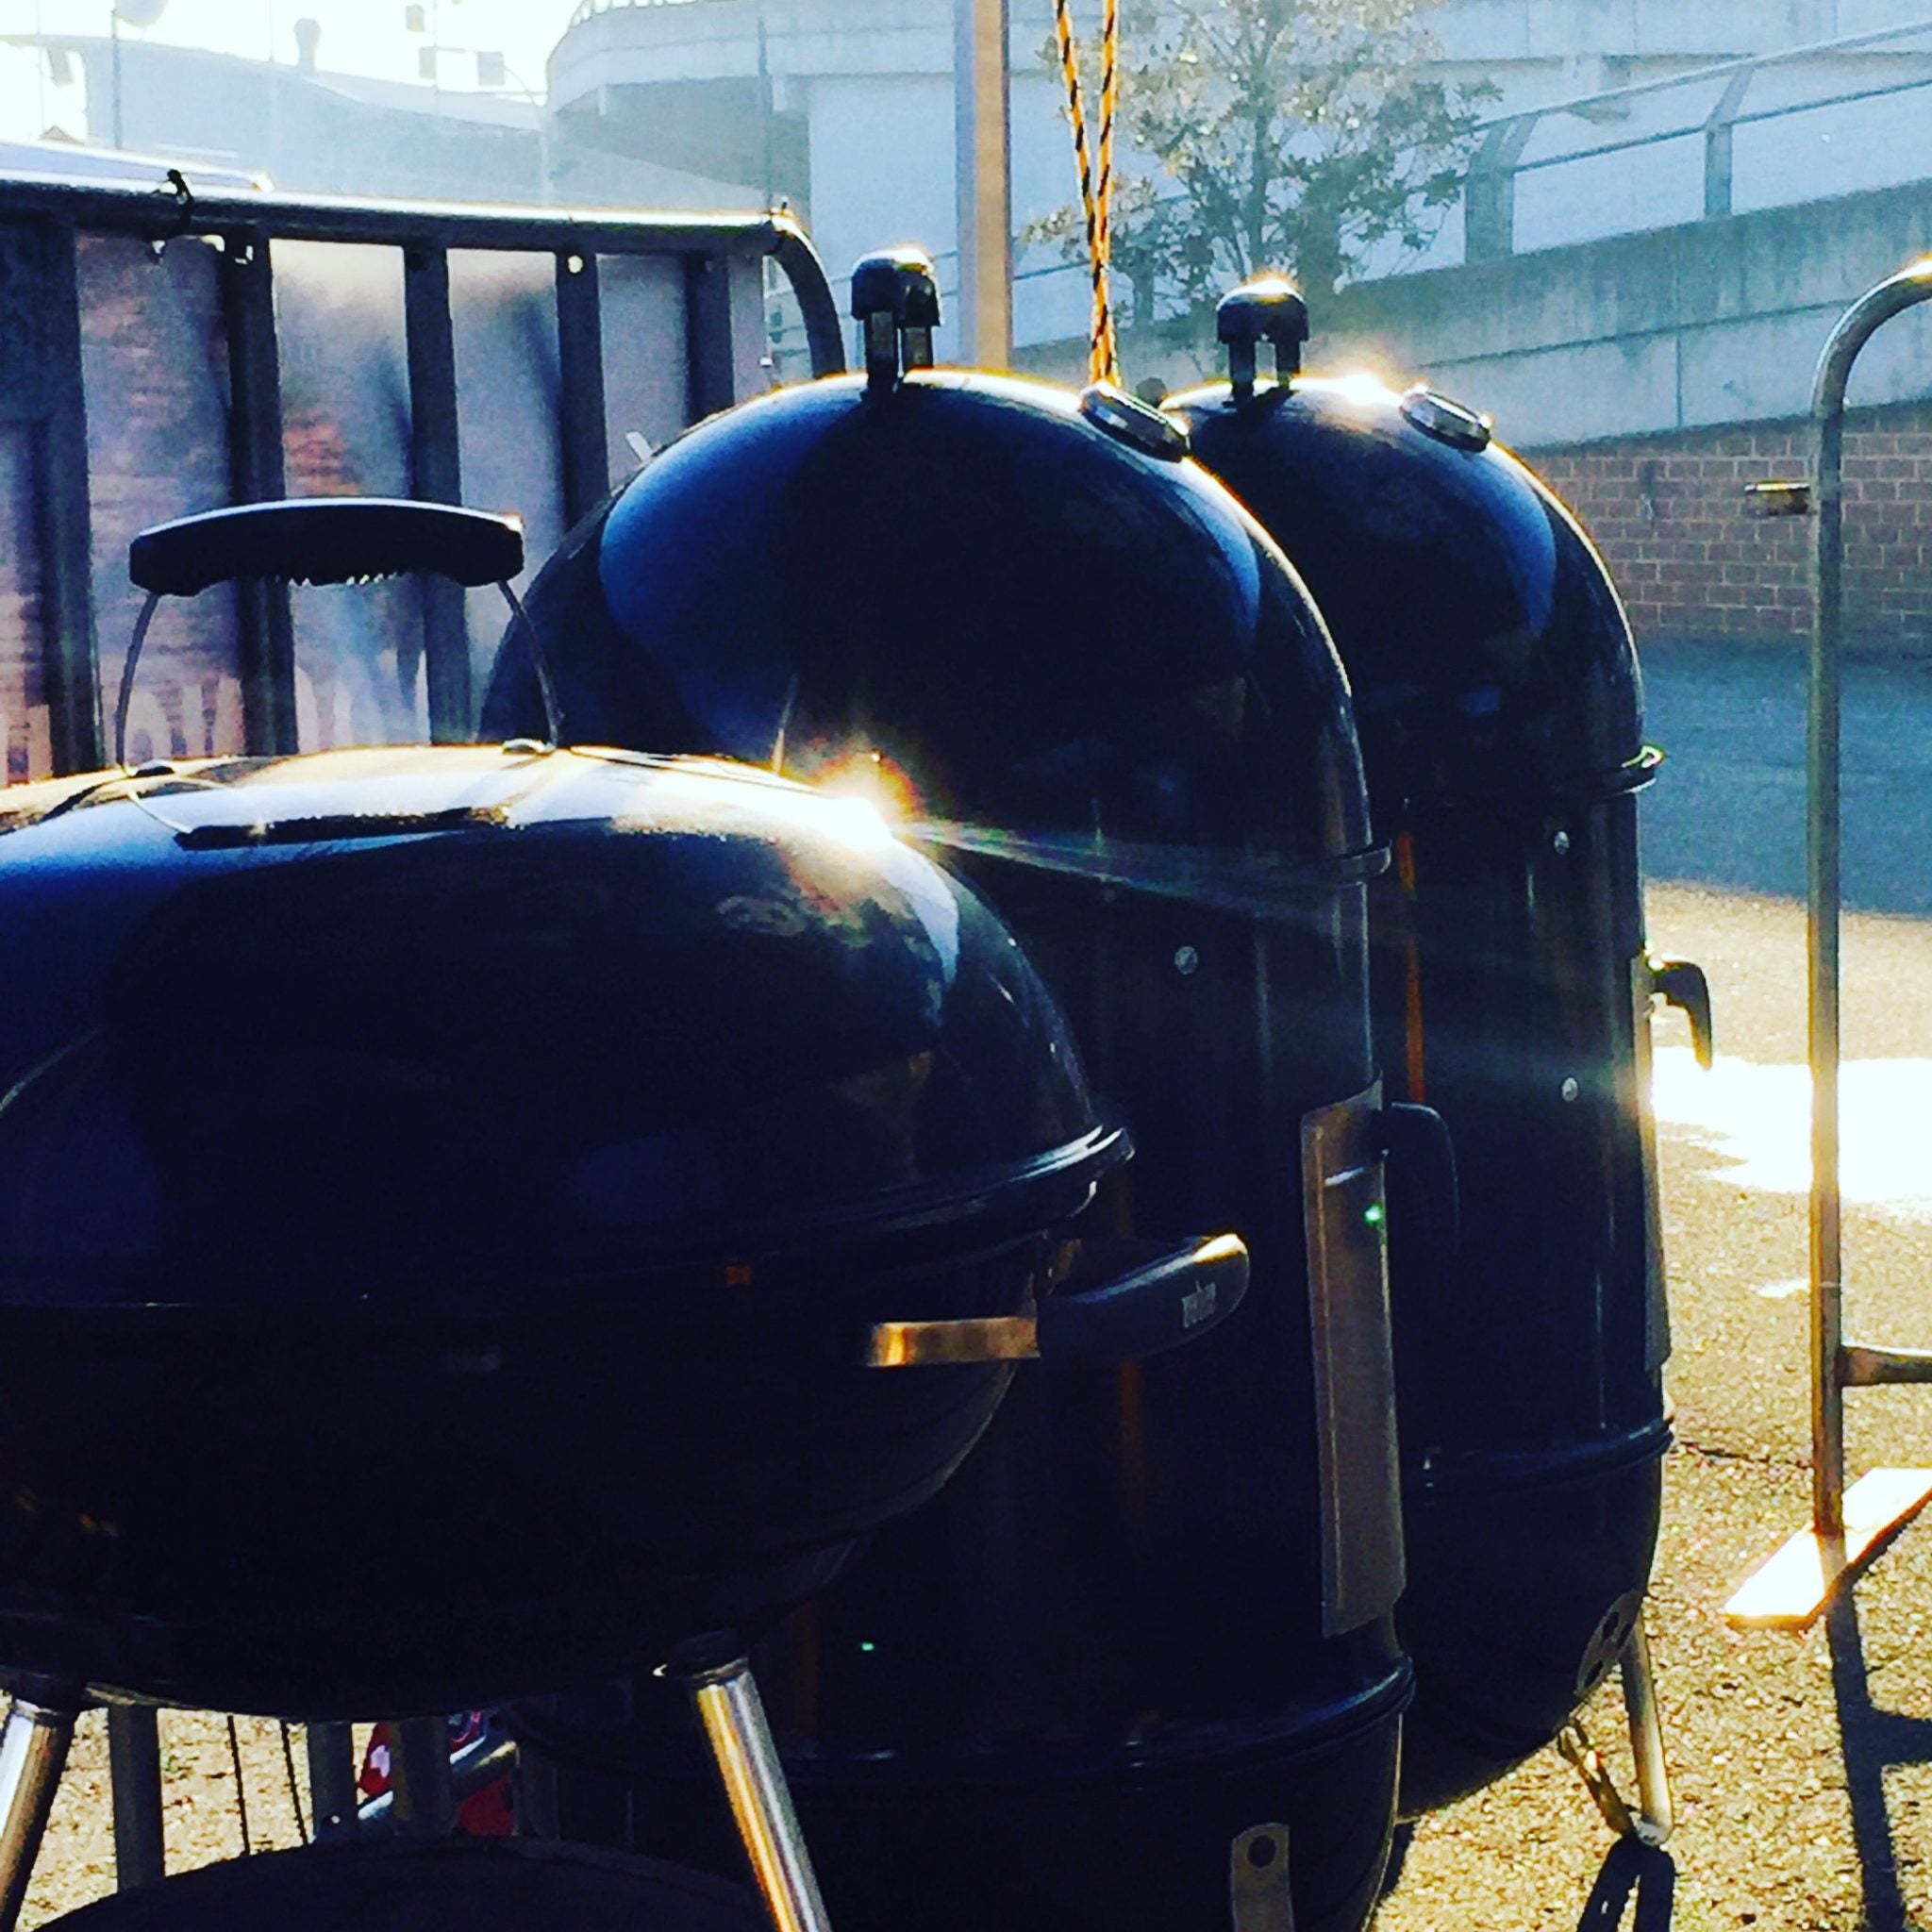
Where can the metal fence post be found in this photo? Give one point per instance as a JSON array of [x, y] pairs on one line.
[[586, 448], [331, 1781], [64, 518], [1488, 193], [436, 475], [257, 476], [1718, 130]]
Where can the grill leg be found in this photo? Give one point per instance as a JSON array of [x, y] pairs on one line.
[[1657, 1816], [33, 1753], [729, 1707], [134, 1758], [1259, 1896], [331, 1782], [426, 1802]]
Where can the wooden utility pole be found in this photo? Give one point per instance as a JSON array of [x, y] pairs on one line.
[[985, 194]]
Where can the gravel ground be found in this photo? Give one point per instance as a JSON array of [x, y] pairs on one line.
[[201, 1821]]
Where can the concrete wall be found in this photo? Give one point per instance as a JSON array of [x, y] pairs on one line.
[[1708, 322], [854, 70]]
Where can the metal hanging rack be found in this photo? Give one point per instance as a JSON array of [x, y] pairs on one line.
[[1849, 1528]]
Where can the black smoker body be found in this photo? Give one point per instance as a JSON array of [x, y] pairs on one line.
[[1500, 710], [1154, 1616]]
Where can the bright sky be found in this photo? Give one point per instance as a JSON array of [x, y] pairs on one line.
[[357, 36]]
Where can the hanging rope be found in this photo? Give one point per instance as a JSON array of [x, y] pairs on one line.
[[1096, 196], [1110, 105]]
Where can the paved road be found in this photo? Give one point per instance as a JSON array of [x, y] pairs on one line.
[[1728, 807]]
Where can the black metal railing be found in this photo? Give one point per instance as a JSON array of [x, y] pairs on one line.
[[59, 356], [1489, 188]]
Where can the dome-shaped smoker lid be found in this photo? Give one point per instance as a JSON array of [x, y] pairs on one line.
[[401, 1026], [1054, 643], [1488, 651]]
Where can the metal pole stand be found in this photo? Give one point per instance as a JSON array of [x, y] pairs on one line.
[[719, 1681], [33, 1753], [1655, 1816], [1849, 1528]]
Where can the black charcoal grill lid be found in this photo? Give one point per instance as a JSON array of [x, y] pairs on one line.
[[1486, 645], [388, 1028], [1051, 642]]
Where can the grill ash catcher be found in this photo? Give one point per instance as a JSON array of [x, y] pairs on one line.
[[663, 1136]]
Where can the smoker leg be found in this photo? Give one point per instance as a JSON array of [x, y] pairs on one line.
[[134, 1763], [1654, 1817], [1258, 1895], [33, 1753], [1657, 1816], [728, 1705], [331, 1781], [424, 1805]]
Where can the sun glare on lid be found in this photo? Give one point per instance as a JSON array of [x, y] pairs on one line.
[[870, 777]]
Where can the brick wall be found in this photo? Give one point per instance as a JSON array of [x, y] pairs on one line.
[[1669, 514]]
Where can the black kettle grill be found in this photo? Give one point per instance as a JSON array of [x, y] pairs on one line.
[[1140, 1653], [668, 1138], [1500, 710]]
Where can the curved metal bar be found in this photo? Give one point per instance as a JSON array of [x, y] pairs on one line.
[[520, 619], [825, 333], [136, 209], [1857, 326], [129, 664]]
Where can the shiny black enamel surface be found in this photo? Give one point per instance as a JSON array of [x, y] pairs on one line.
[[461, 1181], [607, 1016], [1097, 688], [1486, 648], [1043, 630], [1500, 708]]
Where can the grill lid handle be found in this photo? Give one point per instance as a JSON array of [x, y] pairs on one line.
[[326, 540], [1168, 1296], [1425, 1197], [329, 539]]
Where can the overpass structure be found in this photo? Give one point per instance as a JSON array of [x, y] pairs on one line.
[[1613, 115], [1669, 208]]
